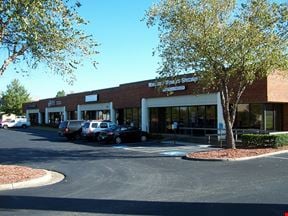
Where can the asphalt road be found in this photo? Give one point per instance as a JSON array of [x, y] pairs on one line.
[[104, 180]]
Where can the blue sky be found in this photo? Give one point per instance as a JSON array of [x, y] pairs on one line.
[[125, 51]]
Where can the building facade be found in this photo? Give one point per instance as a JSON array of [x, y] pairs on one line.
[[264, 105]]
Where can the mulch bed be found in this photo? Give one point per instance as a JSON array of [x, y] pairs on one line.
[[12, 174], [233, 153]]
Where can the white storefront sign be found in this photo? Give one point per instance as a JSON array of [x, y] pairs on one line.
[[174, 88], [173, 82], [91, 98]]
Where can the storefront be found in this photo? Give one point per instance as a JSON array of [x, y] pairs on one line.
[[263, 106]]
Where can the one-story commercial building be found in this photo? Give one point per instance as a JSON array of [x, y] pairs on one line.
[[264, 105]]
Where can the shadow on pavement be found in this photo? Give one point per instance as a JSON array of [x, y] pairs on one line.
[[128, 207], [24, 155]]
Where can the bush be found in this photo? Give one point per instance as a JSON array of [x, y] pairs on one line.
[[264, 140]]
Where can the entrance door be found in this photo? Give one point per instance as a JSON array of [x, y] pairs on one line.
[[120, 116]]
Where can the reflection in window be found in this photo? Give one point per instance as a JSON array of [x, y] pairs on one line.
[[211, 117], [255, 115], [192, 116], [200, 122], [243, 116]]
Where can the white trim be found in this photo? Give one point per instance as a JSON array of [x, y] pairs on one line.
[[91, 107], [185, 100], [55, 110], [144, 115], [34, 111]]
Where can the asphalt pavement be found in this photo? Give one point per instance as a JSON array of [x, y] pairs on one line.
[[111, 180]]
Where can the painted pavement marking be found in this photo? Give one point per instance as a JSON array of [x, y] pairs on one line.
[[177, 150]]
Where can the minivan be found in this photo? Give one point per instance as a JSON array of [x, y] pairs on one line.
[[71, 129]]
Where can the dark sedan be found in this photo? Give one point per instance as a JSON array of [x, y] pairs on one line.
[[122, 134]]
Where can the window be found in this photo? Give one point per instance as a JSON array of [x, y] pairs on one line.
[[256, 116], [103, 125], [211, 117], [94, 125], [243, 116]]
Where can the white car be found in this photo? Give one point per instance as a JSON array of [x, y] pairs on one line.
[[18, 122], [91, 129]]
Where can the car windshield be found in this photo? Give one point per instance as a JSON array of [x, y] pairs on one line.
[[63, 124]]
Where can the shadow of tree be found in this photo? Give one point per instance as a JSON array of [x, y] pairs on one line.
[[25, 155], [129, 207]]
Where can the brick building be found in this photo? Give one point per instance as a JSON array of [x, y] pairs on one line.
[[264, 105]]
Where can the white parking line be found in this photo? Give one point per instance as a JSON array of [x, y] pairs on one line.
[[283, 158], [164, 149]]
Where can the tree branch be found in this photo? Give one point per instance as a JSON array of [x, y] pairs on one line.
[[12, 58]]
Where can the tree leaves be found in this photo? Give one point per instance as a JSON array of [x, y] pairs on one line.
[[226, 47], [50, 32], [14, 97]]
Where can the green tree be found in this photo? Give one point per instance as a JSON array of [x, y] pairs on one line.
[[44, 31], [60, 93], [226, 46], [14, 97]]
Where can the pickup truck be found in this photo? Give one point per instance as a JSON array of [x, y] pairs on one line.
[[18, 122]]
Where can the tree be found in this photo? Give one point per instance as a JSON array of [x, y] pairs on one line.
[[14, 97], [60, 93], [44, 31], [227, 47]]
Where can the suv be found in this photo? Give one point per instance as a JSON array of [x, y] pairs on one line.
[[91, 129], [71, 129], [18, 122]]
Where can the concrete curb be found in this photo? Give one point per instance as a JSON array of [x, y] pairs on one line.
[[236, 159], [49, 178]]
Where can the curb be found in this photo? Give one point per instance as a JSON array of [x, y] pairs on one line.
[[49, 178], [236, 159]]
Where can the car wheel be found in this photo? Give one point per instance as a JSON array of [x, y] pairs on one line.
[[24, 126], [5, 126], [118, 140], [143, 138]]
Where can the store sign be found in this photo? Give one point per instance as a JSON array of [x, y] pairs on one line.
[[54, 103], [31, 106], [91, 98], [172, 82], [174, 88]]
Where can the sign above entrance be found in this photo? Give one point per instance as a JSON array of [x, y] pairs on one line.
[[91, 98], [174, 88], [54, 103], [173, 82]]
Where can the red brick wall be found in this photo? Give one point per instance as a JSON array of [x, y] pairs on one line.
[[277, 87], [128, 95]]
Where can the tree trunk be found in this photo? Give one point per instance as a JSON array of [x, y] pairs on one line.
[[229, 120], [230, 141]]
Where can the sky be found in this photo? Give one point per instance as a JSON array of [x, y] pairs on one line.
[[126, 47]]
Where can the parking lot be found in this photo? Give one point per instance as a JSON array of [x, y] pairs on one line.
[[139, 179]]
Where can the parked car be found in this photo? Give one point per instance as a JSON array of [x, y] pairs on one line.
[[71, 129], [18, 122], [121, 134], [91, 129]]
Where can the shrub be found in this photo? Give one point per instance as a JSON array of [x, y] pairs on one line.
[[264, 140]]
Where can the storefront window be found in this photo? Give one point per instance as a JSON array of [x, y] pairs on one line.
[[243, 116], [211, 117], [154, 120], [168, 117], [183, 117], [269, 115], [192, 116], [256, 116], [175, 114], [200, 121], [131, 116]]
